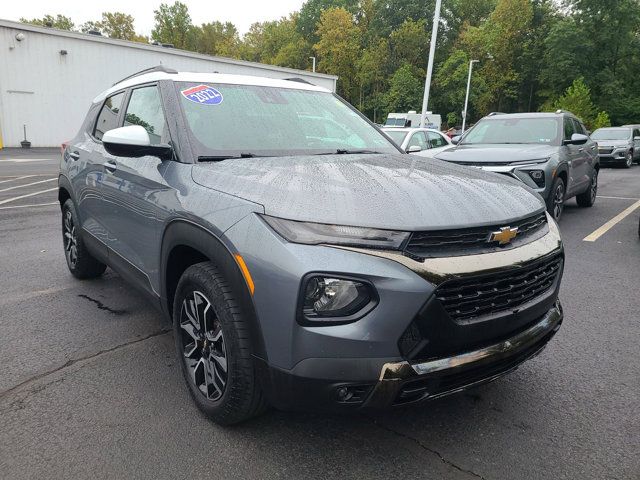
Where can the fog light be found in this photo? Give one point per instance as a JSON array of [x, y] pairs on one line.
[[537, 176], [334, 298]]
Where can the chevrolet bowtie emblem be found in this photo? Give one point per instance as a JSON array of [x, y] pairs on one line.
[[504, 236]]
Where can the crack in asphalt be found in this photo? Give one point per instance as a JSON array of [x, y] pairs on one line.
[[424, 447], [102, 306], [71, 362]]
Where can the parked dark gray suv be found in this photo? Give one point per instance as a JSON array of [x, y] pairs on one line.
[[305, 261], [550, 152]]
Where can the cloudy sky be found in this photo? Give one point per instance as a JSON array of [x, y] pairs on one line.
[[241, 12]]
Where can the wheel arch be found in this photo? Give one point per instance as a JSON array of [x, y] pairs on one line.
[[185, 243], [64, 189]]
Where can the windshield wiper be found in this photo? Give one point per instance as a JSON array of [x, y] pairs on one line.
[[219, 158], [344, 151]]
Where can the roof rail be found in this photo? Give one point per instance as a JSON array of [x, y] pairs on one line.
[[495, 113], [299, 80], [157, 68]]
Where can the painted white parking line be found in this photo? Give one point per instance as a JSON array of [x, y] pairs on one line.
[[30, 205], [618, 198], [27, 160], [28, 184], [596, 234], [2, 202], [16, 178]]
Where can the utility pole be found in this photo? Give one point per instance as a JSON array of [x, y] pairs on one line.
[[432, 51], [466, 98], [313, 59]]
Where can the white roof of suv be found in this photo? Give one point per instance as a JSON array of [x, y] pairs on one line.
[[208, 78]]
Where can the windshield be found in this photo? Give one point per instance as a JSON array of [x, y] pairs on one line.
[[249, 120], [395, 122], [514, 130], [611, 134], [396, 136]]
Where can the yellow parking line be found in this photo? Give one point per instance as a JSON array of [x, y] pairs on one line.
[[27, 195], [596, 234]]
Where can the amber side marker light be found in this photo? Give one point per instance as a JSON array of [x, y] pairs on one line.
[[245, 272]]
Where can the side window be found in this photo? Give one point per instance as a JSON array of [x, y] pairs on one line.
[[418, 139], [569, 128], [145, 109], [579, 128], [436, 140], [636, 133], [108, 116]]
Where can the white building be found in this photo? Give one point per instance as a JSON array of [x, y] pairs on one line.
[[49, 77]]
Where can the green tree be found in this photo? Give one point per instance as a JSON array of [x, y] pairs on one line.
[[277, 42], [372, 76], [405, 90], [311, 11], [173, 25], [91, 26], [339, 48], [409, 43], [118, 25], [602, 120], [577, 100], [498, 44], [217, 38], [59, 21]]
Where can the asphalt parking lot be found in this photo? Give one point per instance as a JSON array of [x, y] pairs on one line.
[[89, 386]]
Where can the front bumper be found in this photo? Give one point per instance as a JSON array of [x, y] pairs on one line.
[[616, 157], [402, 382]]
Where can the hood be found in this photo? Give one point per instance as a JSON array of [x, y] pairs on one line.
[[614, 143], [497, 153], [392, 191]]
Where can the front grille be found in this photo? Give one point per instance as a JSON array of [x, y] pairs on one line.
[[605, 150], [468, 241], [468, 298]]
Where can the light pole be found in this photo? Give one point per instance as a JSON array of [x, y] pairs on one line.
[[313, 59], [432, 51], [466, 98]]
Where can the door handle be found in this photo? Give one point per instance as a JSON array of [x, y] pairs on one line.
[[581, 149], [74, 155], [110, 166]]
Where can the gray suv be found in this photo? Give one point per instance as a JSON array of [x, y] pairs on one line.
[[550, 152], [304, 260], [618, 145]]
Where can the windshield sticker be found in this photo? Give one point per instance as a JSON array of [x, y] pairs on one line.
[[203, 95]]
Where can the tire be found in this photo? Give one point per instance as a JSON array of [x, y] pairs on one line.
[[213, 346], [628, 160], [588, 197], [555, 200], [81, 263]]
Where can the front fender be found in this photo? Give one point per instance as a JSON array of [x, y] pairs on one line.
[[189, 234]]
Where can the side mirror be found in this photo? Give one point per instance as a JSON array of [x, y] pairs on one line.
[[456, 139], [414, 149], [133, 141], [576, 139]]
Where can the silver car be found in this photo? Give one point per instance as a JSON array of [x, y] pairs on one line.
[[304, 260], [618, 145], [424, 142]]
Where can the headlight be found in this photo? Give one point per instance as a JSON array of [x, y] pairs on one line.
[[336, 300], [533, 161], [537, 176], [317, 233]]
